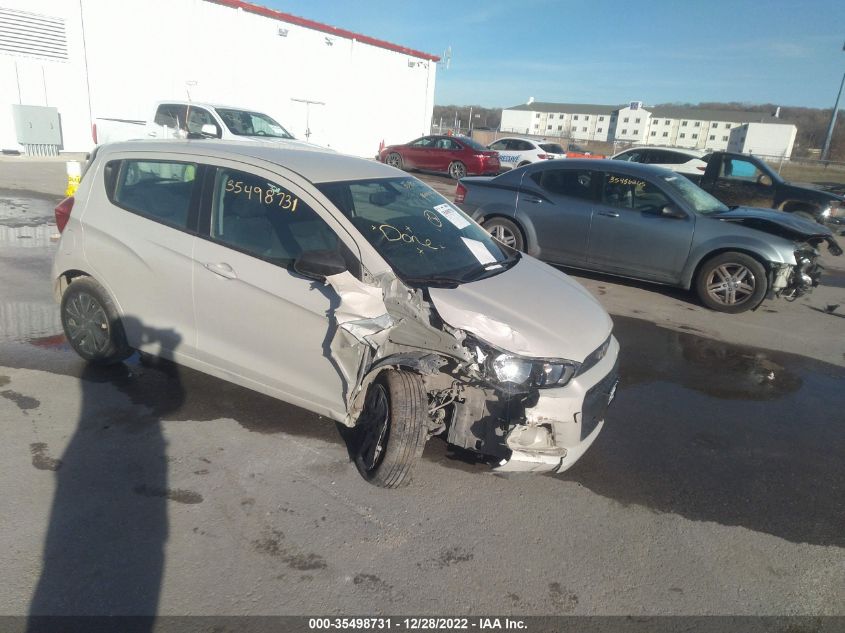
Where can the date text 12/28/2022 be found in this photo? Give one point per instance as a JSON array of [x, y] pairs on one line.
[[417, 624]]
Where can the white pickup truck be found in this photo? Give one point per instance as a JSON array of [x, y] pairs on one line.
[[185, 119]]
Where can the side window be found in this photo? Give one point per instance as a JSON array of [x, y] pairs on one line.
[[159, 190], [499, 145], [171, 115], [738, 169], [524, 146], [566, 182], [264, 219], [629, 192], [423, 142], [197, 117]]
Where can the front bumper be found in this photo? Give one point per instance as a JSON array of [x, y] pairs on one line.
[[565, 422]]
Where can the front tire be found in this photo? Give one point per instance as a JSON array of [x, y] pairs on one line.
[[92, 324], [731, 282], [457, 170], [507, 232], [393, 429]]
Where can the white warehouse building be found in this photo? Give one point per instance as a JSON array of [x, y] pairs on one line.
[[671, 126], [64, 64]]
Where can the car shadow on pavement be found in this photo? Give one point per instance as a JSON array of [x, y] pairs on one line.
[[105, 546], [671, 292]]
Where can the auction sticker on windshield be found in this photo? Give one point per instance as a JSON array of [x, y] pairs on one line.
[[453, 216], [480, 251]]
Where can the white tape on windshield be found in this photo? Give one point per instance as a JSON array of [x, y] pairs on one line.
[[453, 216], [482, 254]]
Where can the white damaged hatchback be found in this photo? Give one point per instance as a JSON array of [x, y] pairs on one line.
[[340, 285]]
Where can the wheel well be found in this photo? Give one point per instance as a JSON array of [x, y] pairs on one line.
[[63, 281], [793, 205], [524, 163], [719, 251]]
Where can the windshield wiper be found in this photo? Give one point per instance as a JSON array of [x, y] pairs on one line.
[[434, 280]]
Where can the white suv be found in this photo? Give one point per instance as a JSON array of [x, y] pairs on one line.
[[516, 152], [690, 162], [341, 285]]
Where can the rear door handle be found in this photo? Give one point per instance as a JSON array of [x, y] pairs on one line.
[[223, 269], [609, 214]]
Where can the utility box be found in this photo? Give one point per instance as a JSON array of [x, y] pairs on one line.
[[38, 129]]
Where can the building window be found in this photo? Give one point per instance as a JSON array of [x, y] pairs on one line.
[[575, 117], [727, 126], [697, 124], [653, 133], [587, 118], [695, 135], [583, 129], [537, 116], [712, 137], [601, 118], [714, 125], [559, 128], [724, 138], [682, 135], [625, 120], [683, 123], [624, 131], [549, 127], [599, 130], [665, 134], [636, 120], [742, 140], [636, 132]]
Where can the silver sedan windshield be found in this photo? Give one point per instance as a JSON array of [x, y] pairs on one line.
[[700, 201]]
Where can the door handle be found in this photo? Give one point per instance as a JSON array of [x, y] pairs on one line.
[[532, 200], [223, 269], [609, 214]]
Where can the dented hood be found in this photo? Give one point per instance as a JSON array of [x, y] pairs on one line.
[[781, 223], [531, 309], [802, 227]]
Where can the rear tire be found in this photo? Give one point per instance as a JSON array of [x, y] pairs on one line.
[[457, 170], [731, 282], [393, 429], [507, 232], [394, 160], [92, 324]]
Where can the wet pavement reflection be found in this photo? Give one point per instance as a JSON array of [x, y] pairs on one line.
[[703, 429]]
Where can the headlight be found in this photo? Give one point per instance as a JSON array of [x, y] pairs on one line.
[[515, 374]]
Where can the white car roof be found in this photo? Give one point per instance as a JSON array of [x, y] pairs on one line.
[[312, 163], [692, 153]]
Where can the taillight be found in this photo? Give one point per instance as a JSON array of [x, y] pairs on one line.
[[94, 132], [460, 193], [700, 168], [63, 213], [543, 156]]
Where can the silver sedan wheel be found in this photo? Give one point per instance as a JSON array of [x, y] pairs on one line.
[[503, 234], [87, 324], [731, 284]]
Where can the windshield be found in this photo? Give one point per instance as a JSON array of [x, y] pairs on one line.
[[700, 201], [425, 239], [552, 148], [472, 144], [244, 123]]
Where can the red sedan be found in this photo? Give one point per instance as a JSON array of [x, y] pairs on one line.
[[458, 156]]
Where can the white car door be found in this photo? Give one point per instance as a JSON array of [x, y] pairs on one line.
[[138, 239], [258, 320], [508, 158]]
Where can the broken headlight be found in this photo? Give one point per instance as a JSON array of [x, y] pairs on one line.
[[514, 374]]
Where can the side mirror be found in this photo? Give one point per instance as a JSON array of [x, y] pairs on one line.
[[209, 130], [319, 264], [672, 211]]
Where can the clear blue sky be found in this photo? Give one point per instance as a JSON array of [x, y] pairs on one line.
[[611, 51]]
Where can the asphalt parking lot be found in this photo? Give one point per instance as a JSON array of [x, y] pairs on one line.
[[715, 487]]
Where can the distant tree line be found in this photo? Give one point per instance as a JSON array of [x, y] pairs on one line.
[[811, 122]]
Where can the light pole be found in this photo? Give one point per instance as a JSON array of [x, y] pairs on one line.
[[829, 137]]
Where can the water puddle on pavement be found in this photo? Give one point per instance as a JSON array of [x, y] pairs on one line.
[[707, 430]]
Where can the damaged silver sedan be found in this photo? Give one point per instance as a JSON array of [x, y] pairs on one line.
[[342, 286]]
